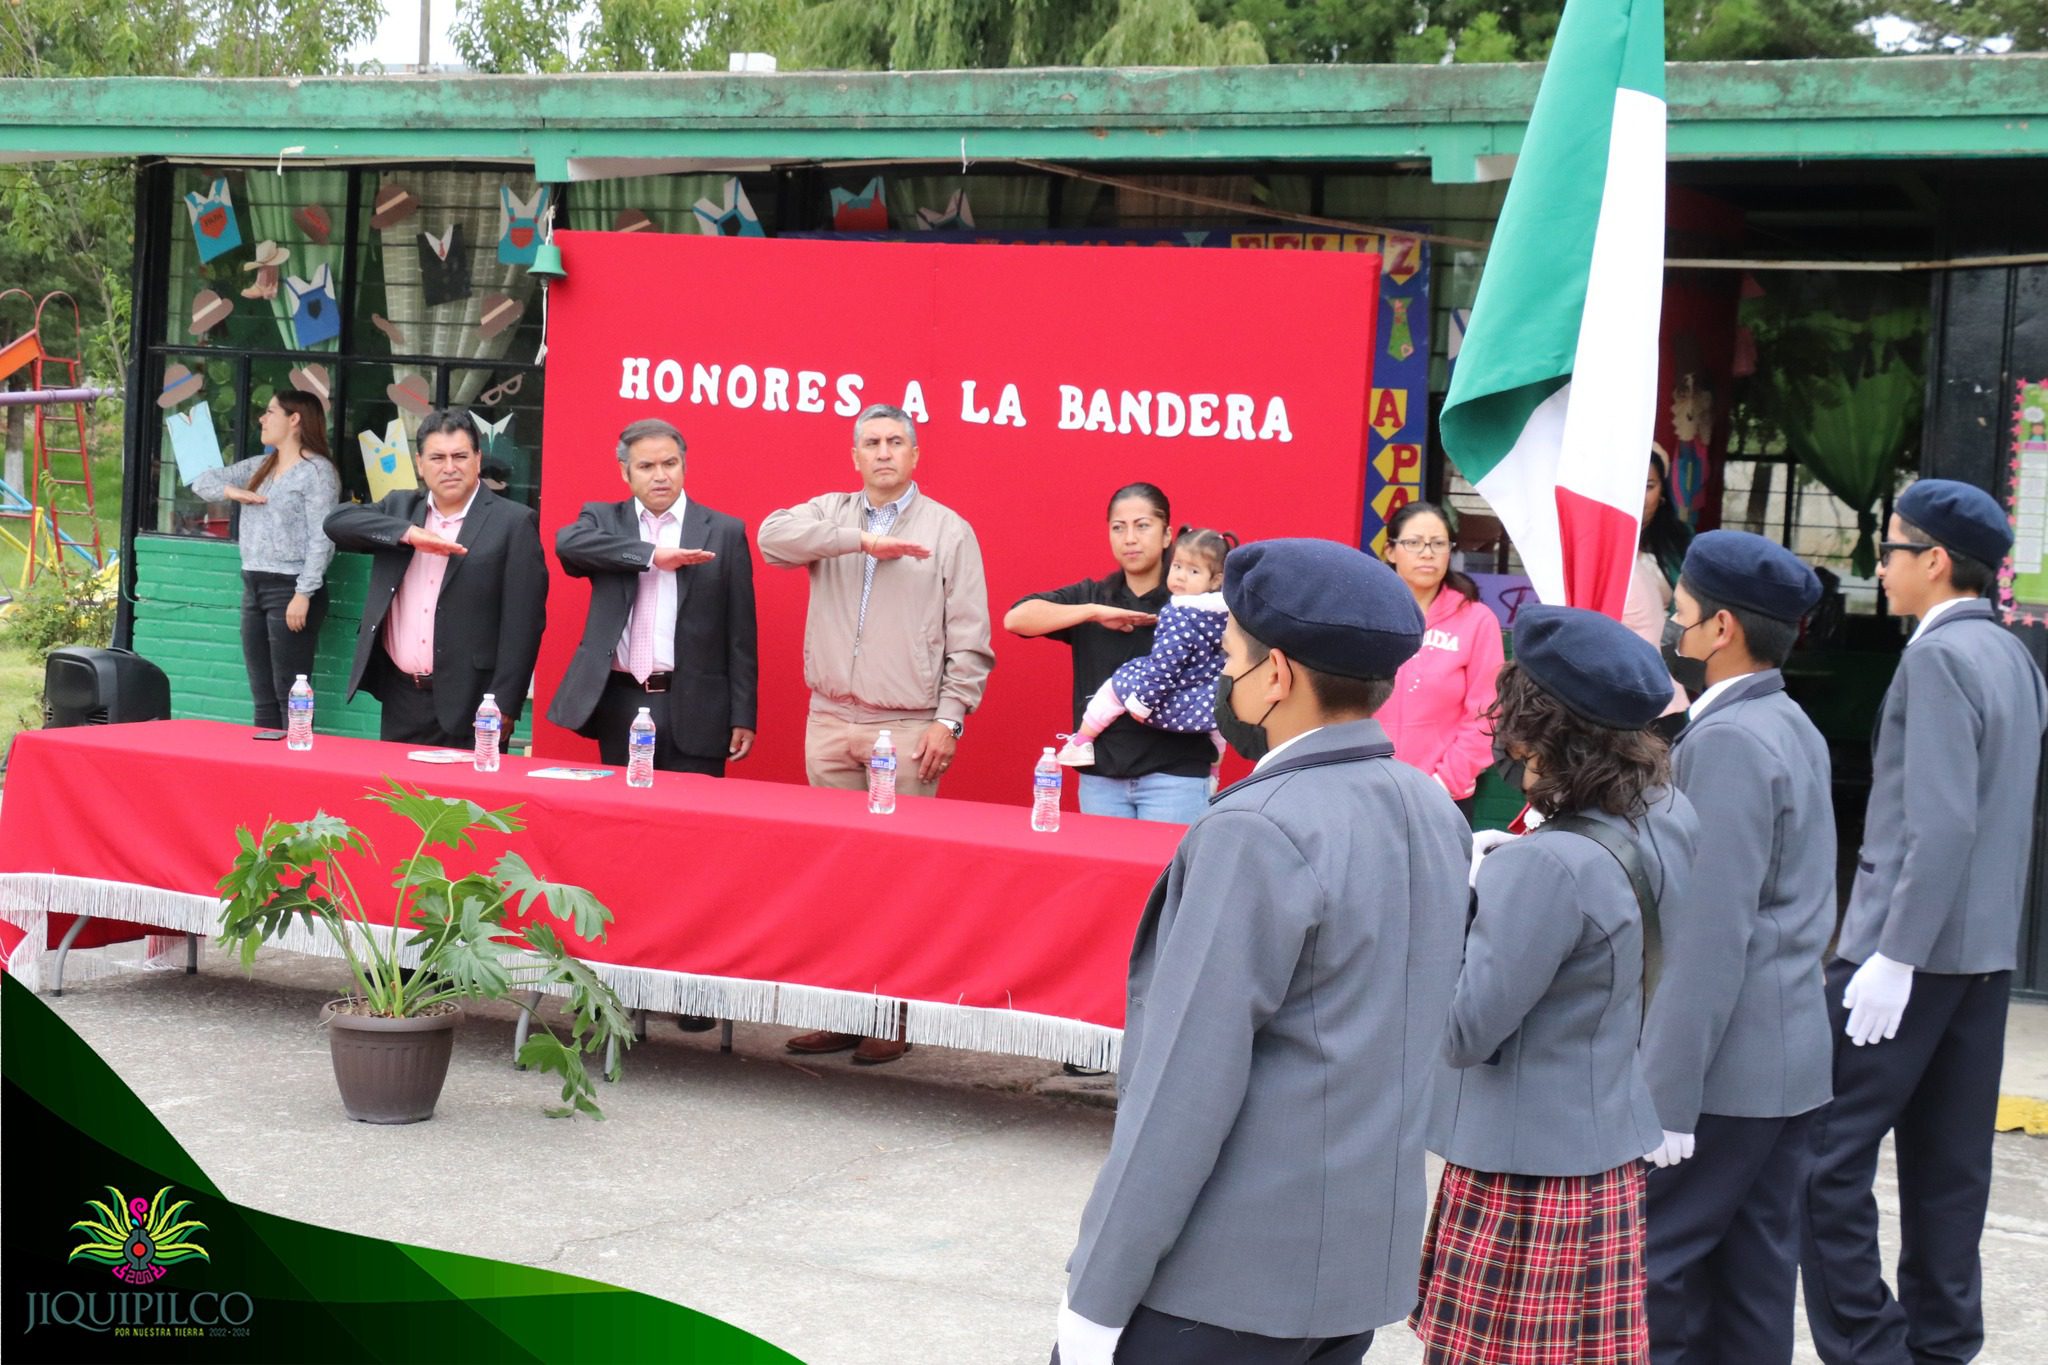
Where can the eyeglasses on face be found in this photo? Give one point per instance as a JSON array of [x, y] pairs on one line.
[[1416, 545], [1911, 547]]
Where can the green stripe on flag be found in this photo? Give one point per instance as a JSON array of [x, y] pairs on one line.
[[1519, 347]]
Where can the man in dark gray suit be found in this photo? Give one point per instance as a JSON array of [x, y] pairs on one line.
[[1917, 992], [671, 624], [458, 592], [1264, 1194], [1736, 1045]]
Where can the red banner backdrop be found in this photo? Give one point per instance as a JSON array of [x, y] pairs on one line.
[[1237, 381]]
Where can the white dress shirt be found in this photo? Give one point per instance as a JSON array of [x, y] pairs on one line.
[[1934, 614], [670, 537]]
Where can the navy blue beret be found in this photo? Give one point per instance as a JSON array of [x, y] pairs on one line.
[[1959, 517], [1600, 669], [1328, 606], [1738, 569]]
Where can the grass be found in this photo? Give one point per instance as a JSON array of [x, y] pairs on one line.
[[21, 679]]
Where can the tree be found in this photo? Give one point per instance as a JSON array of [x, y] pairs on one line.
[[70, 224]]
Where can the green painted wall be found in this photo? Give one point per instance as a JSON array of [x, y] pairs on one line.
[[188, 612]]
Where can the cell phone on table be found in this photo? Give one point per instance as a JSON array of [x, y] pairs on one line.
[[268, 734]]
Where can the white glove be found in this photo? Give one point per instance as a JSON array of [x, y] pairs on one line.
[[1876, 999], [1083, 1342], [1485, 841], [1675, 1147]]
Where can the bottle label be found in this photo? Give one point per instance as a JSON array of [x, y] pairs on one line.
[[302, 703], [883, 763], [1046, 781], [643, 741], [490, 723]]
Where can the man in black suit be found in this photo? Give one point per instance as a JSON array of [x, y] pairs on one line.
[[671, 623], [458, 592]]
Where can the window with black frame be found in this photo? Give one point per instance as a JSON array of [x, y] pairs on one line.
[[383, 291]]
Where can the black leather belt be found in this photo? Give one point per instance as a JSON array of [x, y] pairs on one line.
[[422, 681], [656, 682]]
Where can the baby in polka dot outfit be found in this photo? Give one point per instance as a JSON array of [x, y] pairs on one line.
[[1174, 686]]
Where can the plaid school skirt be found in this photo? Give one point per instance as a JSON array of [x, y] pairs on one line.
[[1534, 1270]]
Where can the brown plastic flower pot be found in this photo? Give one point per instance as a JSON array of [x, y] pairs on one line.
[[389, 1070]]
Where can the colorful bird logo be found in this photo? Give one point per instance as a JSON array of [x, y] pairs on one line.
[[141, 1239]]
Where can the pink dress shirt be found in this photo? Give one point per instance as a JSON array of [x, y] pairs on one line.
[[409, 628]]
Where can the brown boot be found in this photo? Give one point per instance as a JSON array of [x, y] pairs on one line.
[[822, 1041], [875, 1051]]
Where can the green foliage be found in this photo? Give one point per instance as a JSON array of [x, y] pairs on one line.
[[58, 610], [476, 933]]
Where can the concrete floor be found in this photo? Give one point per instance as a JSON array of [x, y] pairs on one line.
[[920, 1212]]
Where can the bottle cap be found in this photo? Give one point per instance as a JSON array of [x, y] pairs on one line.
[[490, 696], [302, 678], [882, 736], [643, 710], [1048, 748]]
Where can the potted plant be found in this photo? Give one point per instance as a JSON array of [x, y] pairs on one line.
[[391, 1040]]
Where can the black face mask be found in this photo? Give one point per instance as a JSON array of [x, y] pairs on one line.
[[1512, 770], [1690, 674], [1249, 740]]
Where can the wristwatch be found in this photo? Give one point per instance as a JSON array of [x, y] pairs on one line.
[[955, 726]]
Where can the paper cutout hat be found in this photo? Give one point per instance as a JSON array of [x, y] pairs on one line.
[[209, 310], [269, 255], [412, 395], [390, 329], [313, 379], [179, 384], [500, 312], [632, 220], [313, 221], [393, 205]]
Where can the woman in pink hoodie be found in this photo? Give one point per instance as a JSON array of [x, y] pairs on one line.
[[1436, 717]]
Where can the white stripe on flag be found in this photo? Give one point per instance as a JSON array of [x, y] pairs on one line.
[[1522, 491]]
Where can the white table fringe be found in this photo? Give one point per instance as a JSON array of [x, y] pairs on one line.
[[27, 899]]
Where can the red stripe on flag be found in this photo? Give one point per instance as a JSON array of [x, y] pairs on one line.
[[1599, 544]]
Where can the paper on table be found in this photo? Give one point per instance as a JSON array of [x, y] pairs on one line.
[[440, 756], [573, 774]]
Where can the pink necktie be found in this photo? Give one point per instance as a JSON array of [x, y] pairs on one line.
[[646, 603]]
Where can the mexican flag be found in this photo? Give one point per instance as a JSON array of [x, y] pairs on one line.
[[1553, 400]]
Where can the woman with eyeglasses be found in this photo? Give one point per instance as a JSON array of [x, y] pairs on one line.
[[285, 494], [1437, 715]]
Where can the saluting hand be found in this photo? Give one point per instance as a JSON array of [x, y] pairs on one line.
[[235, 494], [889, 547], [1122, 618], [671, 557], [420, 538]]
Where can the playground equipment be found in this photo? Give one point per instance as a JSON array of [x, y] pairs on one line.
[[59, 460]]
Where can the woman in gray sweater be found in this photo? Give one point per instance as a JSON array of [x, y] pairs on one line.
[[285, 495]]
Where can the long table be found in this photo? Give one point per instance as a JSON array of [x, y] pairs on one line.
[[741, 900]]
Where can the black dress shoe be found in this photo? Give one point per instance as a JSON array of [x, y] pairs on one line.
[[1074, 1070], [695, 1023]]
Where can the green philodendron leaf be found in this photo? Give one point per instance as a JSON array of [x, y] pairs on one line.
[[445, 821], [545, 1052], [422, 869], [586, 914]]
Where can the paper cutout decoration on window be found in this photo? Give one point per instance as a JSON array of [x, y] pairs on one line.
[[179, 384], [501, 454], [444, 266], [734, 218], [956, 216], [632, 220], [269, 256], [313, 379], [213, 220], [194, 444], [1400, 338], [387, 460], [314, 222], [209, 310], [412, 395], [862, 211], [519, 225], [499, 392], [393, 205], [391, 330], [495, 434], [500, 312], [315, 315]]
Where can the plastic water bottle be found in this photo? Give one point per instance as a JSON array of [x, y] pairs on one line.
[[298, 732], [882, 776], [1045, 793], [640, 751], [489, 722]]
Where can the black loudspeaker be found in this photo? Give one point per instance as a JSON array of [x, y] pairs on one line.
[[85, 686]]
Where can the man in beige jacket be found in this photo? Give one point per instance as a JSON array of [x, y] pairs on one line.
[[897, 636]]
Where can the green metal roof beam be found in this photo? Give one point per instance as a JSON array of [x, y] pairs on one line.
[[1947, 106]]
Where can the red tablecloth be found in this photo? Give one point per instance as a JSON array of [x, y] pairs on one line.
[[753, 900]]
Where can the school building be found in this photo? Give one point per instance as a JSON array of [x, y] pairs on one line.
[[1857, 286]]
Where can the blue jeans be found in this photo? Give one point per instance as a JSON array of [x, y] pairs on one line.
[[1155, 796]]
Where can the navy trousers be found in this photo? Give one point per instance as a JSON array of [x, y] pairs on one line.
[[1155, 1338], [1723, 1243], [1935, 1089]]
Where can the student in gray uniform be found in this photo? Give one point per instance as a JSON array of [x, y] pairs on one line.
[[1534, 1254], [1737, 1045], [1265, 1183], [1917, 991]]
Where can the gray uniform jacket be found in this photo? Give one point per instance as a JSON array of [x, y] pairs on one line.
[[1543, 1077], [1740, 1022], [1958, 749], [1287, 995]]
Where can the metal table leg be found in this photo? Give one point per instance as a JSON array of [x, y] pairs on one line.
[[64, 950], [191, 954], [725, 1035], [523, 1027]]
